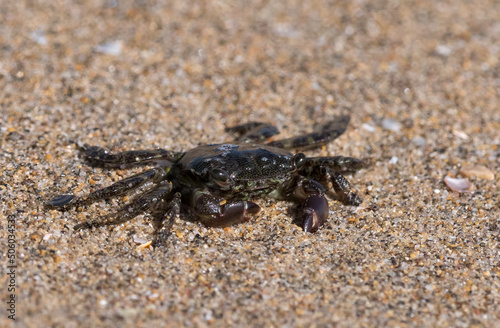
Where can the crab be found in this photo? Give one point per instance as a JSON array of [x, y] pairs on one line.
[[217, 184]]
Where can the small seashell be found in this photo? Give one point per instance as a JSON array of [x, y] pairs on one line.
[[459, 185], [478, 171]]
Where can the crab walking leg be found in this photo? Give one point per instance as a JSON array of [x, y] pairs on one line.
[[101, 157], [213, 212], [335, 163], [163, 220], [150, 201], [345, 190], [256, 132], [326, 134], [116, 189]]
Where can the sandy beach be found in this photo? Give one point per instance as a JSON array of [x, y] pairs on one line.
[[419, 79]]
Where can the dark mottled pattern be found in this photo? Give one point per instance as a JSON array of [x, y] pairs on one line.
[[327, 133], [345, 191], [101, 157], [118, 188], [154, 199], [255, 132], [245, 162], [336, 163]]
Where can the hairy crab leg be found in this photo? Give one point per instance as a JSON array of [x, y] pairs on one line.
[[116, 189], [101, 157], [335, 163], [164, 219], [256, 132], [345, 190], [150, 201], [214, 212], [327, 133]]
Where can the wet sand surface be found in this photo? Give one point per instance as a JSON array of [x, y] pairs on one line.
[[420, 80]]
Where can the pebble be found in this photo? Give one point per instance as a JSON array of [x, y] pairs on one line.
[[478, 171]]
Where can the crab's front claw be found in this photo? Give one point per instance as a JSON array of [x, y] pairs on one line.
[[215, 212], [315, 212], [237, 212]]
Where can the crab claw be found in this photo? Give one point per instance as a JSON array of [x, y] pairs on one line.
[[315, 212], [237, 212], [60, 200]]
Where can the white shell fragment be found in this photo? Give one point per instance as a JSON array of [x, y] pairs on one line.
[[113, 48], [478, 171], [139, 240], [39, 37], [443, 50], [461, 134], [368, 127], [390, 124], [459, 185]]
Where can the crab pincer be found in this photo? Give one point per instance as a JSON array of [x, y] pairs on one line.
[[315, 212]]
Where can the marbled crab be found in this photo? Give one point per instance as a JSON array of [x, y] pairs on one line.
[[214, 184]]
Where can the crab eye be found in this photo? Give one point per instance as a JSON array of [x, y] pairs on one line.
[[219, 176], [299, 160]]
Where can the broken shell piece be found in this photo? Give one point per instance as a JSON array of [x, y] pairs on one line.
[[461, 134], [478, 171], [459, 185], [145, 245]]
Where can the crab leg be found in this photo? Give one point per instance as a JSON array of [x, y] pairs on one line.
[[326, 133], [116, 189], [101, 157], [152, 200], [335, 163], [325, 170], [213, 212], [163, 220], [345, 190], [256, 132]]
